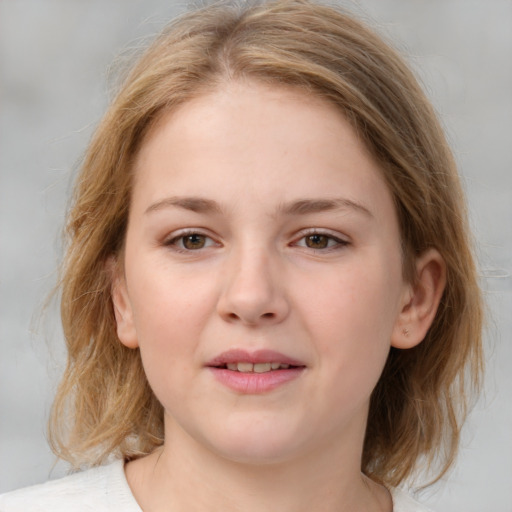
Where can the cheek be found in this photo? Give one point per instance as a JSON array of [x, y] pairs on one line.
[[351, 316], [168, 303], [169, 315]]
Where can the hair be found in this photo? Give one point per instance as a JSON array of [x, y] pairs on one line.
[[104, 404]]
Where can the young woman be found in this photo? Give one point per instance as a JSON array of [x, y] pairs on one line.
[[269, 297]]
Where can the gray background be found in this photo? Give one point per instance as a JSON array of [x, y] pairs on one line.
[[54, 56]]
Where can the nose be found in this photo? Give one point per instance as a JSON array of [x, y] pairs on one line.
[[253, 290]]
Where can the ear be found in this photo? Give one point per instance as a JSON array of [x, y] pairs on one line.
[[420, 302], [126, 331]]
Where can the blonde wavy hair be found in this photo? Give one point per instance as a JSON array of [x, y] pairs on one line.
[[104, 404]]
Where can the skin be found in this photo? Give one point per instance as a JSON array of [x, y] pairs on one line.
[[321, 285]]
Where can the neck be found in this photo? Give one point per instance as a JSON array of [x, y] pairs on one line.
[[184, 476]]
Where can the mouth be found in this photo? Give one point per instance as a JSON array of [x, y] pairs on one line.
[[260, 361], [255, 372], [255, 367]]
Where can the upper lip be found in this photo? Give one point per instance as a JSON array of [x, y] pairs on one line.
[[258, 356]]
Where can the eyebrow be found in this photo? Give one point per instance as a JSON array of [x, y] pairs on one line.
[[299, 207], [194, 204], [307, 206]]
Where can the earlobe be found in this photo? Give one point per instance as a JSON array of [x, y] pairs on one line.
[[421, 301], [126, 331]]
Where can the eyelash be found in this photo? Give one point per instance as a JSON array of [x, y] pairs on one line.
[[175, 240], [333, 242]]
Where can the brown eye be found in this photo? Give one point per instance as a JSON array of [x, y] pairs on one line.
[[321, 241], [193, 241], [190, 241], [317, 241]]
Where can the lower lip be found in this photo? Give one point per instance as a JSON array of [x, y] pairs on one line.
[[254, 383]]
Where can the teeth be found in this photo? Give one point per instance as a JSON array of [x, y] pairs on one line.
[[262, 367], [245, 367], [256, 368]]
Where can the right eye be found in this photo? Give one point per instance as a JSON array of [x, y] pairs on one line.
[[191, 241]]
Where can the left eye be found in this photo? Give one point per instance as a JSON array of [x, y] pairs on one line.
[[320, 241], [191, 241]]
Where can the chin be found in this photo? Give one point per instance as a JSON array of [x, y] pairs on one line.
[[256, 446]]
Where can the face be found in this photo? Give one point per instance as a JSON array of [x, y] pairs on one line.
[[262, 273]]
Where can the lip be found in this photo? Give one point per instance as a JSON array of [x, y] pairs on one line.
[[259, 356], [254, 383]]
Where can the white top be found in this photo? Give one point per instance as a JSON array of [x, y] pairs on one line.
[[105, 489]]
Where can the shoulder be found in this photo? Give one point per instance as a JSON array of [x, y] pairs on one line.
[[101, 489], [402, 502]]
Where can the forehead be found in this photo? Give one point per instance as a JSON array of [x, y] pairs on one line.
[[247, 104], [248, 138]]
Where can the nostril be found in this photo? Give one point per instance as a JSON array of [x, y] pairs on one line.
[[265, 316]]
